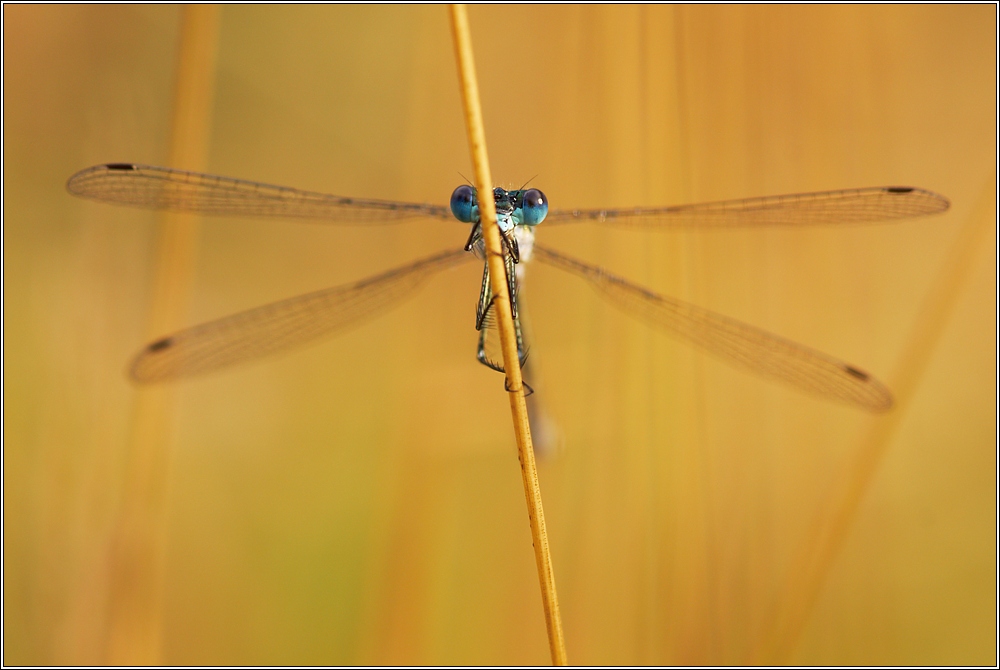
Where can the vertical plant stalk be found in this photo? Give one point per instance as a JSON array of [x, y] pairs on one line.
[[505, 323], [135, 599]]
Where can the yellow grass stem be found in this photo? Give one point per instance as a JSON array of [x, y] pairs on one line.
[[138, 540], [508, 341]]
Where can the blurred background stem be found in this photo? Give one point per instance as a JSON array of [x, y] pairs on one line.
[[137, 545]]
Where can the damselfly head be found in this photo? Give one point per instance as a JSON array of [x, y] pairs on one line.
[[521, 207]]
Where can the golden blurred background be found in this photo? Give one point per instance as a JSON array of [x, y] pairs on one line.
[[359, 501]]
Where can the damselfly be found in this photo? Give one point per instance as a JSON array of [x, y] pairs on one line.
[[284, 324]]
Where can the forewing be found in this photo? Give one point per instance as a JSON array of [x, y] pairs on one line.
[[282, 325], [860, 205], [183, 191], [741, 344]]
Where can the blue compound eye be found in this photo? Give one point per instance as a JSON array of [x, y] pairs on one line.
[[535, 206], [463, 204]]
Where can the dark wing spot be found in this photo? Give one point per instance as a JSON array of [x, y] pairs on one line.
[[863, 376], [120, 166], [160, 345], [899, 189]]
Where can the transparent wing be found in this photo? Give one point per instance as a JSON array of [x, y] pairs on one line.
[[282, 325], [741, 344], [489, 352], [182, 191], [860, 205]]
